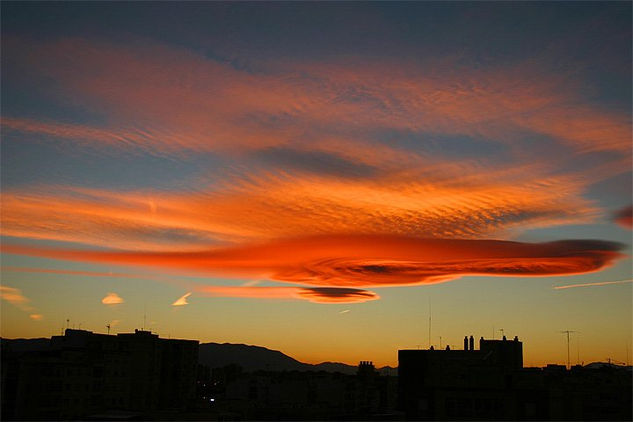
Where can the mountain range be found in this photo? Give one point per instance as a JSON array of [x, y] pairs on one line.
[[216, 355]]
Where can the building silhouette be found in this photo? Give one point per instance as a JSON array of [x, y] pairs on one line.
[[84, 375], [491, 384], [139, 376], [304, 395]]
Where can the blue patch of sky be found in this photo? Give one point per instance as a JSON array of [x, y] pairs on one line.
[[37, 159], [312, 161], [614, 193], [441, 145]]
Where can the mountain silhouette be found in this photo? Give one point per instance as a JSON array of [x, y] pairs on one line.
[[217, 355], [257, 358], [20, 345]]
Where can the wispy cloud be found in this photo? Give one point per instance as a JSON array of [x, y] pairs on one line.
[[15, 297], [112, 299], [598, 283], [77, 273], [182, 301], [234, 109]]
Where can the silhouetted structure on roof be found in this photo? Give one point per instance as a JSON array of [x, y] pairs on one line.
[[491, 384], [83, 373]]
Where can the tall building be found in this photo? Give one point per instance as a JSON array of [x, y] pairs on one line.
[[440, 384], [83, 374]]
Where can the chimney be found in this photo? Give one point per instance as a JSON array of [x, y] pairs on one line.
[[465, 342], [471, 341]]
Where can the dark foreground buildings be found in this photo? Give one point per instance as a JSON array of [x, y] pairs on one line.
[[491, 384], [138, 376], [302, 395], [83, 375]]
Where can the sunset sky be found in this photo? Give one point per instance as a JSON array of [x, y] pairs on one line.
[[319, 178]]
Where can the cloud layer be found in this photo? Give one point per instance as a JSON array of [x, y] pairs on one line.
[[439, 201]]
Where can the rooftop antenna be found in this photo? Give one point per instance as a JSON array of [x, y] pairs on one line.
[[108, 327], [503, 333], [440, 342], [67, 323], [144, 314], [429, 321], [577, 350], [568, 332]]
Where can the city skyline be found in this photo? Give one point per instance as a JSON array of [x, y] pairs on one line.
[[335, 181]]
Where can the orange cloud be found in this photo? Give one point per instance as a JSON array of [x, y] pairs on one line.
[[337, 117], [15, 297], [624, 217], [363, 260], [441, 200], [312, 294], [112, 299]]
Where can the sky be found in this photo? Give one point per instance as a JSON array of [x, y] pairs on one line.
[[336, 180]]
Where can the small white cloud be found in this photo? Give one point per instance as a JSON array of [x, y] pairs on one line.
[[344, 312], [251, 283], [36, 317], [112, 299], [182, 301]]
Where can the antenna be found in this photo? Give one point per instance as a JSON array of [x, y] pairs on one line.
[[440, 342], [429, 321], [503, 333], [568, 332], [67, 323], [577, 350], [144, 314], [108, 327]]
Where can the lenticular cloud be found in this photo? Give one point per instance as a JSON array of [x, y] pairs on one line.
[[363, 260]]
